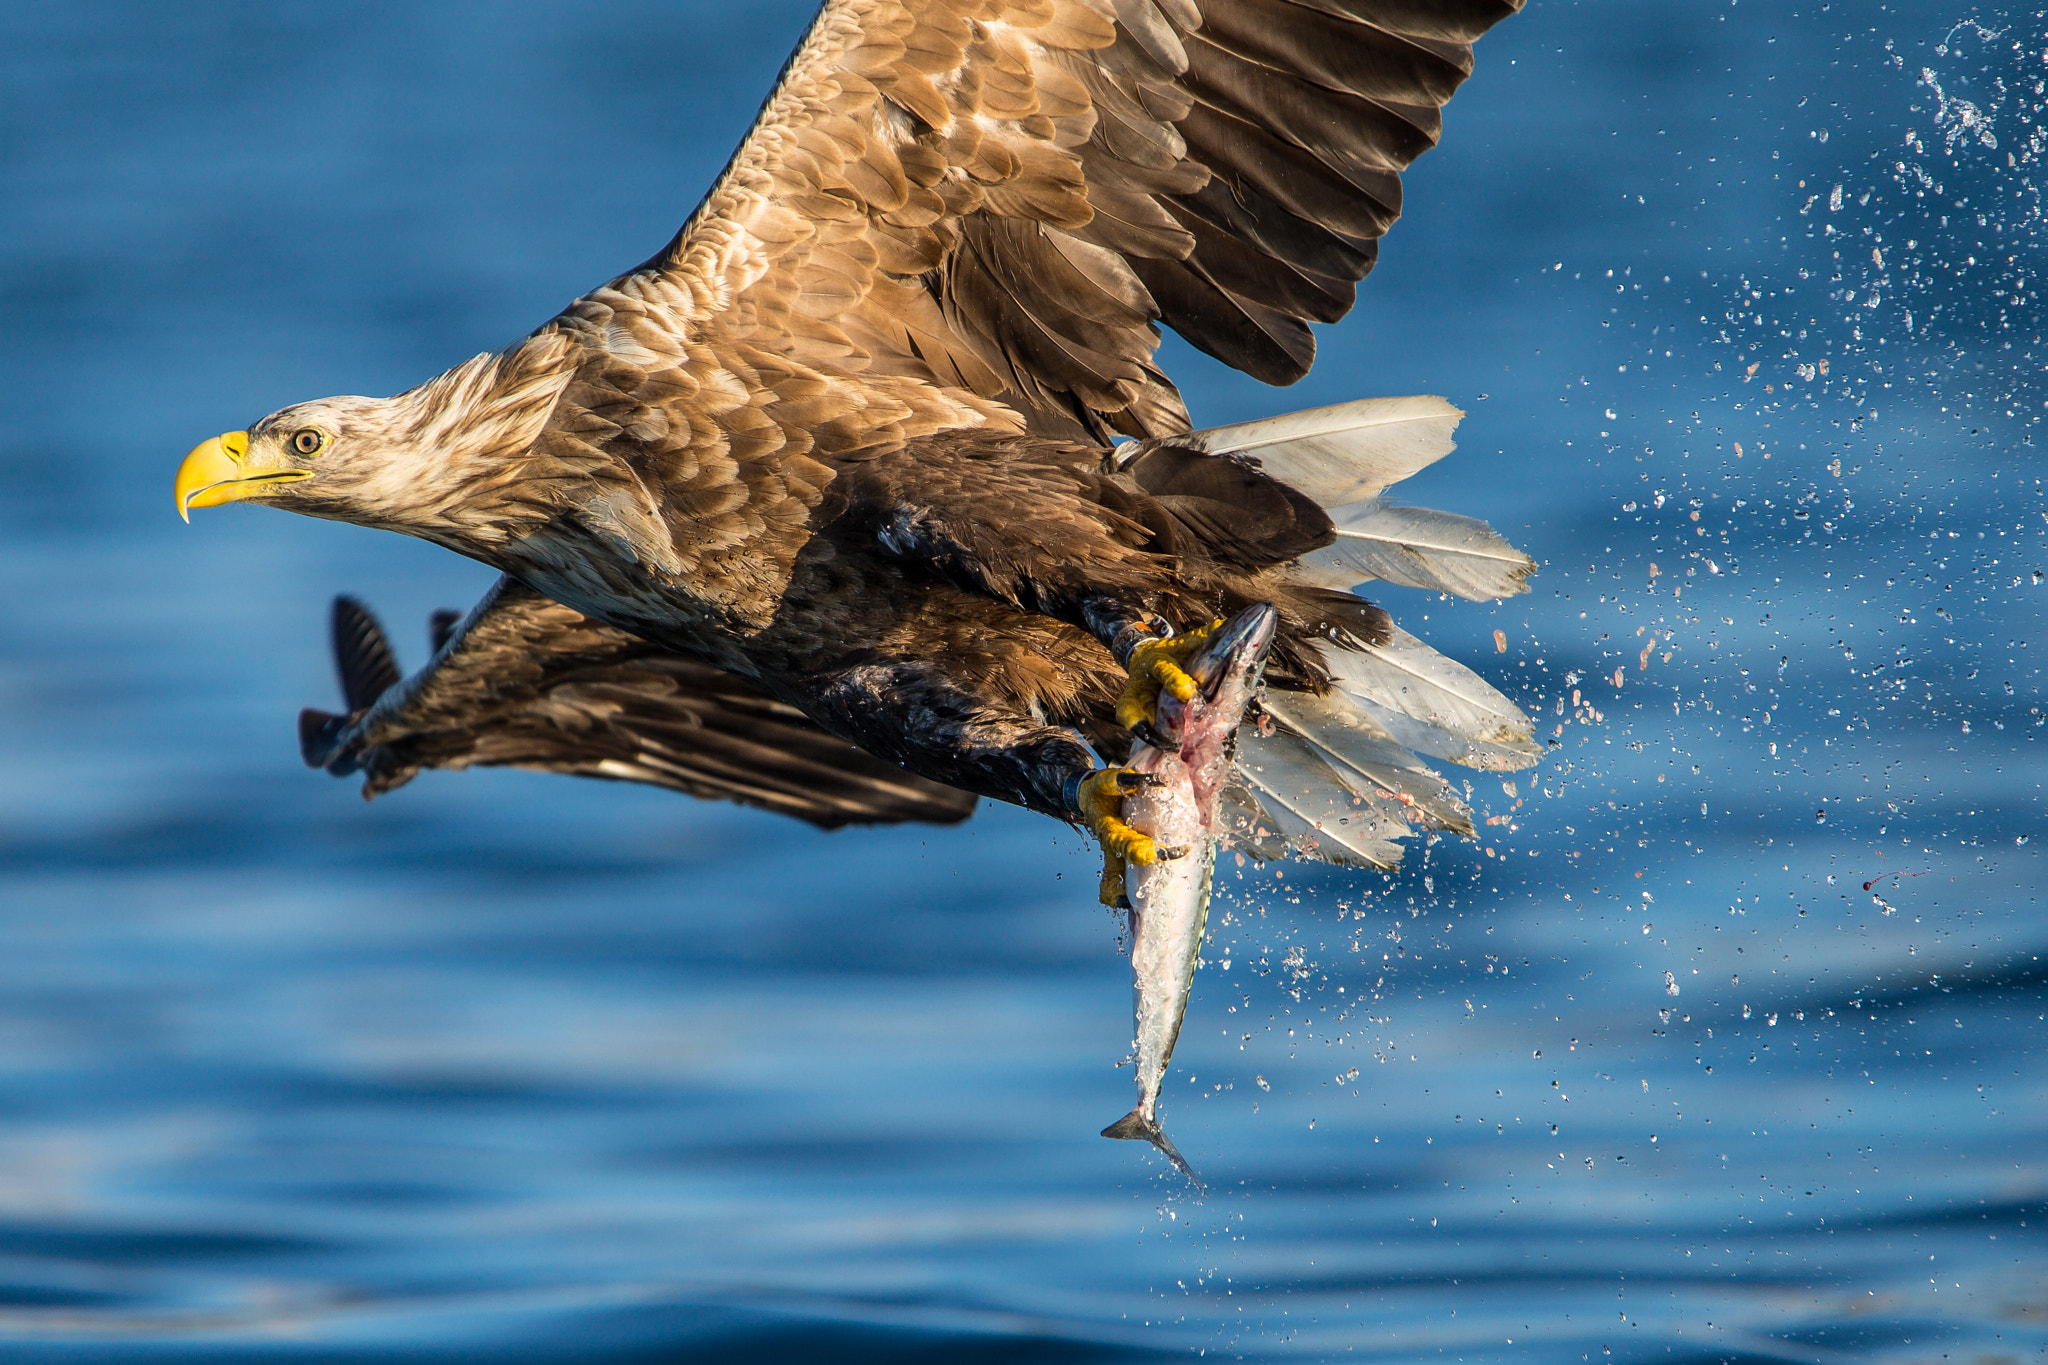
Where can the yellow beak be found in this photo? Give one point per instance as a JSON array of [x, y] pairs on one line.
[[215, 473]]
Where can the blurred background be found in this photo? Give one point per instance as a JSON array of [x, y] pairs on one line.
[[1725, 1042]]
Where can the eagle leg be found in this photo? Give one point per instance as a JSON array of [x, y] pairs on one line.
[[950, 726]]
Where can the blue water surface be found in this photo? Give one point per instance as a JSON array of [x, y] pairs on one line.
[[1742, 299]]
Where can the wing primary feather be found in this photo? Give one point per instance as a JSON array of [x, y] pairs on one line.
[[526, 682], [1293, 179], [1343, 54], [1265, 343], [441, 627], [363, 659], [1221, 167], [1436, 21]]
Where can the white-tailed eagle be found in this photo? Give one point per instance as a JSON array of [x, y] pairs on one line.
[[865, 494]]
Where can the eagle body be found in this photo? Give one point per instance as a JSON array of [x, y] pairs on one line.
[[878, 442], [938, 598]]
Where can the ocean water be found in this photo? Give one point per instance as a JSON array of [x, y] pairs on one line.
[[1725, 1042]]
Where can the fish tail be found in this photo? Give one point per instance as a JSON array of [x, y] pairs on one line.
[[1135, 1125]]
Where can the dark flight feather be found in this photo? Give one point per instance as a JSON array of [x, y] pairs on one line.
[[531, 684], [1235, 513], [441, 624], [363, 661], [1112, 124]]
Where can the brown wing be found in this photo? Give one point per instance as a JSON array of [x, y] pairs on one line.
[[972, 212], [525, 682]]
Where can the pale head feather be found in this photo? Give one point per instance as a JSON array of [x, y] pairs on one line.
[[447, 460]]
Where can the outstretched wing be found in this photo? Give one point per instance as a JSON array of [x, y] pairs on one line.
[[525, 682], [973, 212]]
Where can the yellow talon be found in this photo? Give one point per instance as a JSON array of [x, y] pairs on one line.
[[1112, 891], [1101, 799], [1155, 666]]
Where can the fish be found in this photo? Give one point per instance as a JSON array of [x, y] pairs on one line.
[[1188, 755]]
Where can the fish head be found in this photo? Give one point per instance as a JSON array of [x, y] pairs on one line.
[[1225, 670]]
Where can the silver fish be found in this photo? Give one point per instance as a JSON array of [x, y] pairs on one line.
[[1170, 898]]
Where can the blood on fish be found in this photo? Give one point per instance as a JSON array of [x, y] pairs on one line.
[[1169, 898]]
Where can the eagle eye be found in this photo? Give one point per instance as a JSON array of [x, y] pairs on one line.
[[309, 441]]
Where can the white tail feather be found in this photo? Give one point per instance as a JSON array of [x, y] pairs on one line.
[[1305, 807], [1420, 548], [1342, 454], [1336, 777], [1408, 677], [1369, 759], [1436, 742], [1272, 831]]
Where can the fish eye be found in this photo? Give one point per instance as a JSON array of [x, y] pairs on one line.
[[309, 441]]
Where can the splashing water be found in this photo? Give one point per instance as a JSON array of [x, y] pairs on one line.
[[1923, 279]]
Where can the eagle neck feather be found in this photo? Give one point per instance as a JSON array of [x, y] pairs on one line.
[[470, 432]]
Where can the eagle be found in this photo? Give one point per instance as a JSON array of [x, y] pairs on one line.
[[865, 496]]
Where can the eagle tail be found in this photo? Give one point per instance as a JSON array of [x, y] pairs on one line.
[[1338, 776]]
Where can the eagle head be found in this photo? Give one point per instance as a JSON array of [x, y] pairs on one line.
[[433, 461], [335, 457]]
